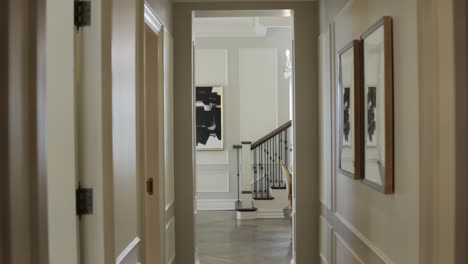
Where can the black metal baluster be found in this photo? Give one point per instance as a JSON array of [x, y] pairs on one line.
[[270, 173], [255, 173], [263, 168], [267, 174], [275, 173], [286, 158], [265, 160]]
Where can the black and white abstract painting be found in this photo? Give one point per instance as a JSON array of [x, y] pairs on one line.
[[346, 116], [371, 116], [209, 118]]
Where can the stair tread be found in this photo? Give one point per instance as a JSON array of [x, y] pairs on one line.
[[264, 198], [278, 188], [246, 209]]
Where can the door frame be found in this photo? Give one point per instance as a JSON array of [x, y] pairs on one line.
[[152, 22], [292, 108]]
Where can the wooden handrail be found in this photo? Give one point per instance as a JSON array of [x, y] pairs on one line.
[[271, 135]]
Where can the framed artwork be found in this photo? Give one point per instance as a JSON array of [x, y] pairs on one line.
[[377, 58], [209, 118], [349, 105]]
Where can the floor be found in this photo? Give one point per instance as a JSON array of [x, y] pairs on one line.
[[223, 239]]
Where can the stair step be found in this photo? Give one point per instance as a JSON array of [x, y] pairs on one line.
[[247, 209], [278, 188], [263, 198]]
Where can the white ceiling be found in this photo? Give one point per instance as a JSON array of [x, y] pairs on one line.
[[217, 27]]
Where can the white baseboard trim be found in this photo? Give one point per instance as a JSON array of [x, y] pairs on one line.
[[270, 213], [215, 204], [127, 250]]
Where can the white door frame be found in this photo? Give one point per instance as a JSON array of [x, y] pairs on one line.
[[156, 255]]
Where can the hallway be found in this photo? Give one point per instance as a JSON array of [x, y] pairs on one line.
[[223, 239]]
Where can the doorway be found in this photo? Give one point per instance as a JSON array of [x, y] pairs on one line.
[[243, 105], [151, 146]]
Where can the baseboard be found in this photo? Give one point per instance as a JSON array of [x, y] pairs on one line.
[[215, 204], [270, 213]]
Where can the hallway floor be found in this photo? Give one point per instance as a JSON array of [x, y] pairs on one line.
[[223, 239]]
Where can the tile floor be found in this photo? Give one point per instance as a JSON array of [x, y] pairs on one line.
[[223, 239]]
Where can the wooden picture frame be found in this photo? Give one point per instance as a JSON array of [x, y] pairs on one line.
[[377, 98], [349, 110]]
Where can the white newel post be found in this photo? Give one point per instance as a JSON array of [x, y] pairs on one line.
[[246, 175]]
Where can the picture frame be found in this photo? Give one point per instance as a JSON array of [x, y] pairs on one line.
[[377, 96], [209, 108], [349, 110]]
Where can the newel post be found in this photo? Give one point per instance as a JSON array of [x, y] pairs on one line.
[[246, 180]]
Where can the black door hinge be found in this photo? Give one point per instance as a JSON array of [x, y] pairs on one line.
[[82, 13], [84, 201]]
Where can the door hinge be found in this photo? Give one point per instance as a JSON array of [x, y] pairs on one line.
[[84, 201], [150, 186], [82, 13]]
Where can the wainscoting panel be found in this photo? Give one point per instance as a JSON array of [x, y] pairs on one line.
[[130, 254], [344, 253], [213, 178], [170, 241], [355, 241], [326, 233]]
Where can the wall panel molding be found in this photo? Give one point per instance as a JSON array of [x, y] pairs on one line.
[[361, 245], [126, 252], [364, 239], [213, 178], [170, 241], [340, 240]]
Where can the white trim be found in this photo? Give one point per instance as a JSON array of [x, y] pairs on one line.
[[127, 250], [172, 260], [151, 19], [364, 239], [169, 205], [344, 9], [343, 242], [323, 259], [270, 213], [215, 204]]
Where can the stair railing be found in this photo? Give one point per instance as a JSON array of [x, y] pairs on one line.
[[266, 154]]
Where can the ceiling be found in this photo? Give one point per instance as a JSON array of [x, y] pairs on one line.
[[216, 27]]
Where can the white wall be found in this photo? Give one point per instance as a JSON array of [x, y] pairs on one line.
[[256, 101]]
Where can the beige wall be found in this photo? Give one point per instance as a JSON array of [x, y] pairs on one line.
[[417, 223], [305, 122], [24, 211], [461, 82], [364, 224]]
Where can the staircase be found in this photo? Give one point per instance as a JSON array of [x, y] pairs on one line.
[[262, 187]]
